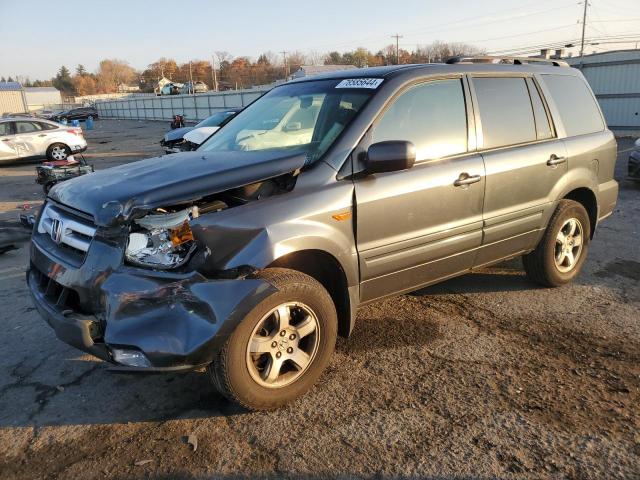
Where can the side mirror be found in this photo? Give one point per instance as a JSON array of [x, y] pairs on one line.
[[390, 156]]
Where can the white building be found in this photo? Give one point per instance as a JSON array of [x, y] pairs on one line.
[[615, 79], [40, 98]]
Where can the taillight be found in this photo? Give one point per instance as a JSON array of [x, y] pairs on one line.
[[75, 131]]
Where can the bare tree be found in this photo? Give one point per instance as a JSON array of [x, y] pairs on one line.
[[313, 57], [113, 72]]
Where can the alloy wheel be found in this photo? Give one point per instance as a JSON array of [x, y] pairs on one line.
[[283, 345], [569, 242]]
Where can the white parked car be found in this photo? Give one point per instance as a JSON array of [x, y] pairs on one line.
[[176, 140], [22, 137], [197, 136]]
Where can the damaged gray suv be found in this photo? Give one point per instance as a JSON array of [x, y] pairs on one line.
[[250, 255]]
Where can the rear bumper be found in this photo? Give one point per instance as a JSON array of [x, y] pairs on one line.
[[78, 148]]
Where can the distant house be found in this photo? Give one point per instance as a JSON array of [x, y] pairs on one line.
[[12, 99], [313, 70], [39, 98], [165, 82], [123, 88]]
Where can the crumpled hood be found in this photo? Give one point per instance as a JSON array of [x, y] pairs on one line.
[[115, 194], [177, 134]]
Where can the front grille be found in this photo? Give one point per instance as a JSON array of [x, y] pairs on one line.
[[65, 299], [65, 229]]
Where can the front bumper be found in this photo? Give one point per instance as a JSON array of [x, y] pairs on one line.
[[179, 321], [172, 146]]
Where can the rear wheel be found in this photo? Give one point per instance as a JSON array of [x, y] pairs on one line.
[[560, 254], [58, 151], [281, 347]]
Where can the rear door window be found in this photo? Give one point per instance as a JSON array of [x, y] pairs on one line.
[[505, 111], [431, 115], [27, 127], [578, 109]]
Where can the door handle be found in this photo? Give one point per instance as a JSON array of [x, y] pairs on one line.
[[555, 160], [466, 179], [42, 135]]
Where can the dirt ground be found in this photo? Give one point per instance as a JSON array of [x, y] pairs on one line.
[[484, 376]]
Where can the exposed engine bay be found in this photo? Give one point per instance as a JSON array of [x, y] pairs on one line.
[[163, 240]]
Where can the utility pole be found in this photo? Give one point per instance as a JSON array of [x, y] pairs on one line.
[[286, 70], [584, 27], [190, 78], [397, 37], [214, 78]]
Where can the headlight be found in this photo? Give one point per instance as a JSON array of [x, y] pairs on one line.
[[161, 240]]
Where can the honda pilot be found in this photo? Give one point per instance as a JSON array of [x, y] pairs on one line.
[[250, 255]]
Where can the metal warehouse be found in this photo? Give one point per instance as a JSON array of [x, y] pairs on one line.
[[615, 79], [12, 98]]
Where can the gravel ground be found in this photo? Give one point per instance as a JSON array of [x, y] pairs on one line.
[[484, 376]]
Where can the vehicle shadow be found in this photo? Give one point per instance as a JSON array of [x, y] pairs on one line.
[[508, 276]]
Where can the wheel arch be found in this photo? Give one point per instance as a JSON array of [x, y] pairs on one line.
[[587, 198], [327, 270]]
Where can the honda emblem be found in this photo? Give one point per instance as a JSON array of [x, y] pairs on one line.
[[56, 230]]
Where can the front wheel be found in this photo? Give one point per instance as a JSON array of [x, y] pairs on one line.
[[281, 347], [562, 251]]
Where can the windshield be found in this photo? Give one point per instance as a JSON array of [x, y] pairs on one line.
[[215, 120], [305, 117]]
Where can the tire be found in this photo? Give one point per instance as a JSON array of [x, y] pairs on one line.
[[543, 265], [244, 377], [59, 150], [47, 187]]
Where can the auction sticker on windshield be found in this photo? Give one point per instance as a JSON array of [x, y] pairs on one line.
[[360, 83]]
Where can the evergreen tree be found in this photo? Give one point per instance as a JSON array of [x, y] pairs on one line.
[[62, 80]]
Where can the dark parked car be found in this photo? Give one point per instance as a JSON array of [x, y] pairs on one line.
[[76, 114], [251, 254], [634, 162], [173, 140]]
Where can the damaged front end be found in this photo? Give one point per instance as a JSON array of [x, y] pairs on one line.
[[126, 282]]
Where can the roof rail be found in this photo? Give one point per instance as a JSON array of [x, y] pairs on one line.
[[507, 60]]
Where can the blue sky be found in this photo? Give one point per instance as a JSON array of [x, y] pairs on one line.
[[40, 35]]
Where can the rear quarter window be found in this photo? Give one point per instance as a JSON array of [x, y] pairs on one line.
[[577, 106]]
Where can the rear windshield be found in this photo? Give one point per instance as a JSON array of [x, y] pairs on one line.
[[578, 109], [305, 117]]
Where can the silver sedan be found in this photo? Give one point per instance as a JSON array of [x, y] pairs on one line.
[[22, 137]]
